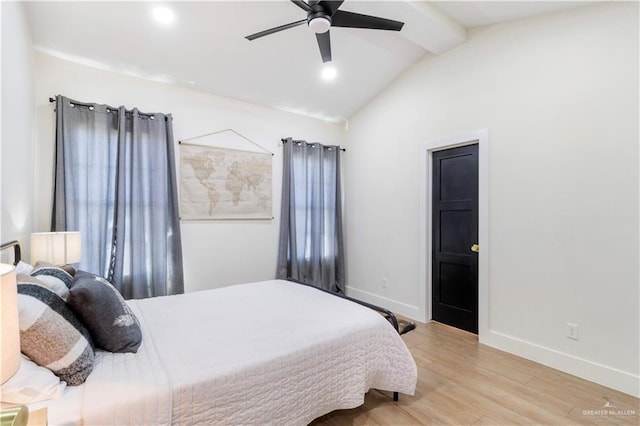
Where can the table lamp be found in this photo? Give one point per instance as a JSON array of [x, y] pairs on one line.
[[10, 341], [58, 248], [10, 336]]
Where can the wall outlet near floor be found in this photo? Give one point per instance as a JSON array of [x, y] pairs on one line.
[[384, 283], [572, 331]]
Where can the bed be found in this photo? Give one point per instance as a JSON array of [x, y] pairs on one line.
[[272, 352]]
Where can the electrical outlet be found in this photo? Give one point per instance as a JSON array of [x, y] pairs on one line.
[[572, 331], [384, 283]]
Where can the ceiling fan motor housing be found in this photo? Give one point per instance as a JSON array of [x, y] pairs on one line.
[[318, 19]]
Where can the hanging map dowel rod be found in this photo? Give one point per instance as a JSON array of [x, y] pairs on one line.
[[222, 131]]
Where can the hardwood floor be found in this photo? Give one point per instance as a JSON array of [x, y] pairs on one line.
[[461, 382]]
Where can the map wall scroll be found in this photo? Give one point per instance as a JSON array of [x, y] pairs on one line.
[[224, 183]]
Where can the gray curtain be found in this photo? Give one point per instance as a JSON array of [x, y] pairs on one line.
[[115, 182], [311, 244]]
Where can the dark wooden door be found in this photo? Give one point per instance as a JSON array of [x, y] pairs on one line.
[[455, 231]]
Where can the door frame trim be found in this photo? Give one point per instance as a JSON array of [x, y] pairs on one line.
[[481, 137]]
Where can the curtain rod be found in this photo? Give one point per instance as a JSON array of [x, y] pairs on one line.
[[285, 141], [52, 100]]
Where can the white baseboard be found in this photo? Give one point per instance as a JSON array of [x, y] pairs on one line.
[[406, 310], [589, 370]]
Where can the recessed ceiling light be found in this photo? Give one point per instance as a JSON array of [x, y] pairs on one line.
[[163, 15], [329, 72]]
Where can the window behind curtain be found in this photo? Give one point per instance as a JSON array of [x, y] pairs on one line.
[[115, 183], [311, 246]]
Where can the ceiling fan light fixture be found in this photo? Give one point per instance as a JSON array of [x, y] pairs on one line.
[[163, 15], [329, 72], [319, 25]]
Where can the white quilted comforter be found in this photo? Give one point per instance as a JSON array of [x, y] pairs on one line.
[[272, 352]]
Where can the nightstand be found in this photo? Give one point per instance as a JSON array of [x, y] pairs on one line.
[[36, 417]]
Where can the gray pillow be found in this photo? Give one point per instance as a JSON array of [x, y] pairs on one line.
[[104, 312]]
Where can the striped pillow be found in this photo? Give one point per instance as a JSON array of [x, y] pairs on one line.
[[51, 335], [54, 278]]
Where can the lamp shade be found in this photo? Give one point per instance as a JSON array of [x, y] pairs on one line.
[[10, 336], [58, 248]]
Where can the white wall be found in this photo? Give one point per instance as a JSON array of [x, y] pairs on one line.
[[216, 253], [559, 95], [16, 166]]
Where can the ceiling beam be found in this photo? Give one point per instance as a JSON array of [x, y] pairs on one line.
[[432, 29], [425, 24]]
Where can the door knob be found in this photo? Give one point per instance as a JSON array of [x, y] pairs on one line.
[[475, 248]]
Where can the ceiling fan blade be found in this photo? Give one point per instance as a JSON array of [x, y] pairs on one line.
[[275, 30], [356, 20], [331, 5], [324, 43], [302, 5]]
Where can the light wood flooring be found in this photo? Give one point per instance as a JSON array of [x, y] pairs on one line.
[[461, 382]]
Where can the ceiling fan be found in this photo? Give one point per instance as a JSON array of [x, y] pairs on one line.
[[324, 14]]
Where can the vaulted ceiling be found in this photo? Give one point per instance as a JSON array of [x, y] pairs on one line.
[[205, 49]]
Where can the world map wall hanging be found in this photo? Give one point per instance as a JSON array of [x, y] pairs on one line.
[[224, 183]]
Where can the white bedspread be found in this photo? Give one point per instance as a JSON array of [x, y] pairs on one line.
[[272, 352]]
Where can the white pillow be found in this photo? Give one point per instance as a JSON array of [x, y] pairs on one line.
[[31, 383], [23, 268]]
